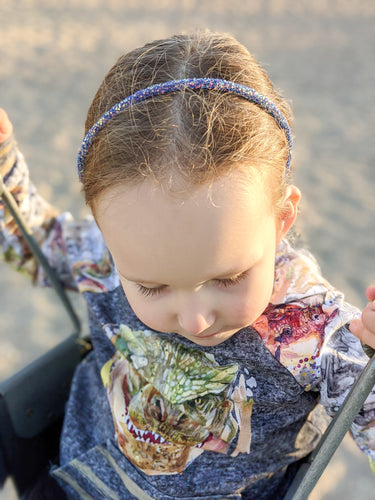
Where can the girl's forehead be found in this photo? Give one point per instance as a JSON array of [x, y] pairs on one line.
[[181, 195], [148, 210], [164, 238], [145, 215]]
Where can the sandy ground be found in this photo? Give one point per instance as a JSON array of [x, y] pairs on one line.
[[53, 55]]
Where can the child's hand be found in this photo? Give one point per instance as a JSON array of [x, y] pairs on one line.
[[364, 328], [6, 128]]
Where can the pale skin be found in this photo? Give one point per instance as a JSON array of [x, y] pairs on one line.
[[199, 264]]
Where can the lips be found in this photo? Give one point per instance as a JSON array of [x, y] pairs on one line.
[[206, 336], [214, 334]]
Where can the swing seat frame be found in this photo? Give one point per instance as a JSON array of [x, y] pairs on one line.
[[32, 404], [32, 401]]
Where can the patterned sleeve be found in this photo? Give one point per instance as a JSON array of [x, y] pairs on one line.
[[74, 249], [343, 360], [307, 330]]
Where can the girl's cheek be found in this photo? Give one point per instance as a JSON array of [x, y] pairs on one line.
[[150, 315], [249, 307], [243, 312], [136, 303]]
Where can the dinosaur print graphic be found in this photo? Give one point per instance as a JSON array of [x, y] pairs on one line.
[[169, 402]]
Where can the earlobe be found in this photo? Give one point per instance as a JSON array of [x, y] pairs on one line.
[[289, 211]]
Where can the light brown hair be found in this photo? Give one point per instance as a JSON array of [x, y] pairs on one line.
[[193, 136]]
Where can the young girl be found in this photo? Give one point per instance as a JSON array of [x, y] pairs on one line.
[[214, 340]]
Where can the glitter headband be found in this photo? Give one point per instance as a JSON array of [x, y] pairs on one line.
[[178, 85]]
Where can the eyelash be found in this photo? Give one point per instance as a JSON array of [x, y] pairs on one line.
[[150, 292], [224, 282]]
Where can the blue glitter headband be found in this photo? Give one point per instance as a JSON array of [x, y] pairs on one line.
[[175, 86]]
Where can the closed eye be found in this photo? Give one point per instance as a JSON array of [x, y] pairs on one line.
[[221, 282], [226, 282], [150, 292]]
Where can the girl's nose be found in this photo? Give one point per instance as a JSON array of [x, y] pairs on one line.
[[195, 323]]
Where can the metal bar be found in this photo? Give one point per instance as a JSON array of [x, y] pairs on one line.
[[310, 472], [27, 234]]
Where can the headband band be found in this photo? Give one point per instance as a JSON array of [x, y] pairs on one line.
[[178, 85]]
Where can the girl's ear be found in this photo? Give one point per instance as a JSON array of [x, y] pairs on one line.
[[289, 211]]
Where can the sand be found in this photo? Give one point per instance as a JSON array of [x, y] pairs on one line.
[[53, 55]]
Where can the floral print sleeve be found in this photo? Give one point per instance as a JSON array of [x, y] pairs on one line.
[[34, 209], [306, 328], [342, 363], [74, 249]]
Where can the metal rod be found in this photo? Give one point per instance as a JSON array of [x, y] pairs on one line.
[[310, 472]]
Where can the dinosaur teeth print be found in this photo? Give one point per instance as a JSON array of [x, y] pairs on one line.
[[151, 437], [145, 436]]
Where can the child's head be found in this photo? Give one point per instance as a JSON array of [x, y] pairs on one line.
[[187, 138], [189, 188]]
